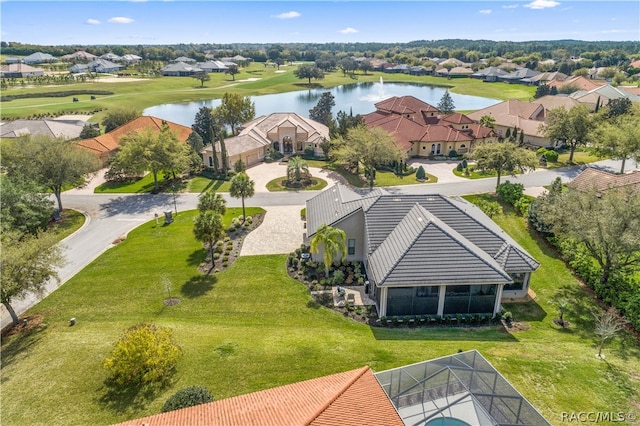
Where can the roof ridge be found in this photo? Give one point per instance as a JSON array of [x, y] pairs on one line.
[[316, 414]]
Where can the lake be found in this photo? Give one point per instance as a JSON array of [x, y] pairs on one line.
[[358, 98]]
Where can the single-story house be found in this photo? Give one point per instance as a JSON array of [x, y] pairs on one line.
[[180, 69], [592, 179], [97, 65], [424, 254], [545, 78], [464, 388], [285, 132], [521, 76], [603, 94], [527, 117], [184, 59], [489, 74], [39, 58], [80, 55], [68, 129], [458, 72], [213, 66], [131, 59], [20, 71], [106, 145], [581, 83], [421, 130], [111, 57]]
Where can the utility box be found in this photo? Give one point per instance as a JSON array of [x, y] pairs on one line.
[[168, 217]]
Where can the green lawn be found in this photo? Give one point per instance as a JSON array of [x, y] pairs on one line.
[[473, 174], [144, 93], [71, 221], [144, 184], [251, 327], [387, 178], [200, 184], [579, 157], [276, 185]]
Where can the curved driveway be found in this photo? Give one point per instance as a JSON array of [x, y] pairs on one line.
[[113, 216]]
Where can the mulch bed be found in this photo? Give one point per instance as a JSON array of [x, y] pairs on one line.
[[236, 240], [33, 322]]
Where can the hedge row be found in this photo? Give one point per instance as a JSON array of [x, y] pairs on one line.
[[62, 94]]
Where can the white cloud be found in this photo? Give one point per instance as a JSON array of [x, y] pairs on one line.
[[120, 20], [92, 22], [288, 15], [542, 4], [510, 6], [485, 12], [348, 30]]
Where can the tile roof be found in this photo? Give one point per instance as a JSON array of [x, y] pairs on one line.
[[23, 68], [599, 180], [105, 144], [582, 83], [69, 129], [383, 212], [422, 249], [351, 398]]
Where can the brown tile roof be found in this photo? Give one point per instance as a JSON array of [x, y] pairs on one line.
[[104, 145], [599, 180], [408, 105], [457, 118], [582, 83], [351, 398]]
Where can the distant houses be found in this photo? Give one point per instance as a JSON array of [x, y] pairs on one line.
[[20, 71]]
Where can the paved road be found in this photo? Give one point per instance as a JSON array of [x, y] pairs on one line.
[[113, 216]]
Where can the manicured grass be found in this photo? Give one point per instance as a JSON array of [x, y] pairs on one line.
[[251, 327], [144, 184], [146, 92], [579, 157], [71, 221], [277, 185], [473, 174], [200, 184], [387, 178]]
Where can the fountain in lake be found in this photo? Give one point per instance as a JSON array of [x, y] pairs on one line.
[[376, 97]]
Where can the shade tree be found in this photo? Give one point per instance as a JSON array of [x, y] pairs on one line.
[[570, 127], [503, 157]]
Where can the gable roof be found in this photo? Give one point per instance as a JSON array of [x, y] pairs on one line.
[[80, 54], [104, 144], [599, 180], [338, 399], [423, 249]]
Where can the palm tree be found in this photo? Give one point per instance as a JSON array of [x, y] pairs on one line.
[[242, 187], [333, 241], [487, 121], [563, 307], [208, 228], [296, 168], [211, 201]]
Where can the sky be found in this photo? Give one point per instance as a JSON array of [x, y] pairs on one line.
[[178, 21]]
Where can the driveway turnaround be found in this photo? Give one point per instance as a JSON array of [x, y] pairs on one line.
[[280, 232]]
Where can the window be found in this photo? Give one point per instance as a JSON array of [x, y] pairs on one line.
[[433, 149], [438, 149], [210, 161], [424, 147], [351, 246], [518, 282]]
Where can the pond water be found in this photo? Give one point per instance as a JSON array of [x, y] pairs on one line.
[[358, 98]]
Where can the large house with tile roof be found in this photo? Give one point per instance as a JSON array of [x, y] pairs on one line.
[[421, 130], [424, 254], [460, 389], [20, 71], [285, 132], [106, 145], [527, 117], [592, 179]]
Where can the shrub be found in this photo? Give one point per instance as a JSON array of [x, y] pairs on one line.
[[464, 164], [522, 205], [395, 320], [507, 316], [551, 156], [384, 321], [541, 151], [453, 153], [144, 355], [490, 208], [338, 277], [308, 152], [216, 256], [510, 192], [187, 397], [421, 174]]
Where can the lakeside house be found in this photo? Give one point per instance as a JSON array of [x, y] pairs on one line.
[[285, 132], [421, 130]]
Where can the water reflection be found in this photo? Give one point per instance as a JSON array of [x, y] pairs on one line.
[[357, 97]]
